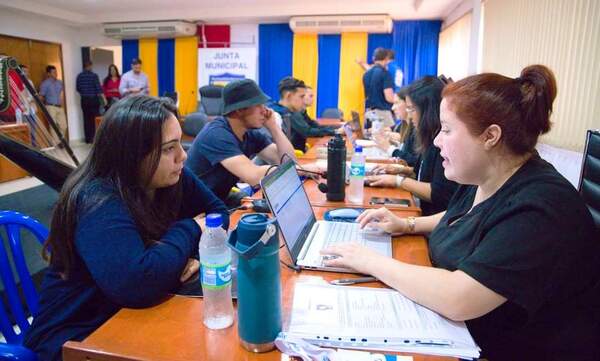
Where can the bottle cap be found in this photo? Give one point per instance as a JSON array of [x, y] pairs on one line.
[[358, 149], [214, 220]]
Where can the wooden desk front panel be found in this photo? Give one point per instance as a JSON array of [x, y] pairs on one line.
[[173, 330], [9, 170]]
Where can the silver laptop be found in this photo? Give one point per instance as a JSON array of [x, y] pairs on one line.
[[369, 152], [302, 234]]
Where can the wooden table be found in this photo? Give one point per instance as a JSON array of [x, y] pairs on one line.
[[318, 198], [9, 170], [173, 330], [318, 150], [330, 122]]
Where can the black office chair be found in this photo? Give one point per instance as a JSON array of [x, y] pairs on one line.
[[332, 113], [589, 182], [192, 125], [211, 100]]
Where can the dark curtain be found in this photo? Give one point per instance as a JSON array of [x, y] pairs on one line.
[[328, 76], [166, 66], [416, 47], [131, 50], [275, 46]]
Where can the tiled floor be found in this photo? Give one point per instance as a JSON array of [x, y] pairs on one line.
[[81, 151]]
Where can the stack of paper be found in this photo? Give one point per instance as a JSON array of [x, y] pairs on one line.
[[374, 319]]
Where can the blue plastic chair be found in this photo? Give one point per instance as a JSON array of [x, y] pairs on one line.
[[13, 222]]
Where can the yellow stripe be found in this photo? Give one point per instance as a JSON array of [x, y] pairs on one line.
[[351, 94], [148, 51], [186, 73], [306, 63]]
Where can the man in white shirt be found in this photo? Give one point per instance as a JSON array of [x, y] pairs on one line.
[[134, 81]]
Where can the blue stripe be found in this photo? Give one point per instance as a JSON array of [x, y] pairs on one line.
[[375, 41], [131, 50], [166, 66], [328, 76], [416, 45], [275, 46]]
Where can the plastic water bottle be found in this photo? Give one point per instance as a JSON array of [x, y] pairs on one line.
[[357, 176], [215, 263]]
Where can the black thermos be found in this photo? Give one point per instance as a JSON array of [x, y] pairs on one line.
[[336, 169]]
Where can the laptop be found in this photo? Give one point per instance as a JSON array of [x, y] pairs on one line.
[[302, 234], [356, 125], [370, 149]]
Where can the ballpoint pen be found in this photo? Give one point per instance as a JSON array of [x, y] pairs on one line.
[[352, 281]]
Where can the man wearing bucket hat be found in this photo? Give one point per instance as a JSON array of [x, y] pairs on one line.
[[221, 152]]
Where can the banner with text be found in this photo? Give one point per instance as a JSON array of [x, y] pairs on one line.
[[219, 66]]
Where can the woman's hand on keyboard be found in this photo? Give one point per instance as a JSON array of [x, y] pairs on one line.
[[383, 219], [353, 256]]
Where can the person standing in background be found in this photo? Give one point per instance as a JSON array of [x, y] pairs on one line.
[[111, 85], [53, 95], [379, 88], [31, 109], [134, 81], [88, 87]]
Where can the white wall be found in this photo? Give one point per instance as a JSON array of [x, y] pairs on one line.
[[20, 24], [562, 35], [245, 36]]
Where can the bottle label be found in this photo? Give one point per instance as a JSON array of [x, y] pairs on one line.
[[357, 170], [215, 276]]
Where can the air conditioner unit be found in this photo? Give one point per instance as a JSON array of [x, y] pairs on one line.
[[149, 29], [336, 24]]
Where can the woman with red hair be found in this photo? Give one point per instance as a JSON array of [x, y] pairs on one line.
[[516, 255]]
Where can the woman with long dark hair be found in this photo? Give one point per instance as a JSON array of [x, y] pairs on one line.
[[126, 226], [429, 185], [111, 84]]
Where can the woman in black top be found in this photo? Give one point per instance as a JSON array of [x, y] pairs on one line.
[[516, 254], [402, 133], [430, 186]]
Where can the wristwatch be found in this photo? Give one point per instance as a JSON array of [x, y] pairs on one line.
[[411, 222]]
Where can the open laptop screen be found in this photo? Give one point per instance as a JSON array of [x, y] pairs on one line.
[[349, 134], [289, 203]]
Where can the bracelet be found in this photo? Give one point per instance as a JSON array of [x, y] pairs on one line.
[[399, 180], [412, 223]]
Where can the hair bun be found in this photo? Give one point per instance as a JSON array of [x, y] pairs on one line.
[[538, 90]]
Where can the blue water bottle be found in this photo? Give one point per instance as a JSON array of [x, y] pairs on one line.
[[256, 242]]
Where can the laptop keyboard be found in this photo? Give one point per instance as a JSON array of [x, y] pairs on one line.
[[341, 233]]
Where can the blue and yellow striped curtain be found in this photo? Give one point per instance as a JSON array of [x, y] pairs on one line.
[[186, 73], [305, 62], [170, 64], [351, 93], [149, 56], [328, 62]]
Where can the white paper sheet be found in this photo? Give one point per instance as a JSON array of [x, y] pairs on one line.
[[374, 318]]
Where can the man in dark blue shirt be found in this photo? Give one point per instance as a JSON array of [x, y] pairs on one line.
[[88, 87], [221, 152], [379, 88], [291, 100]]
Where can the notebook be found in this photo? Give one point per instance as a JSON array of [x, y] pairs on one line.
[[302, 234]]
